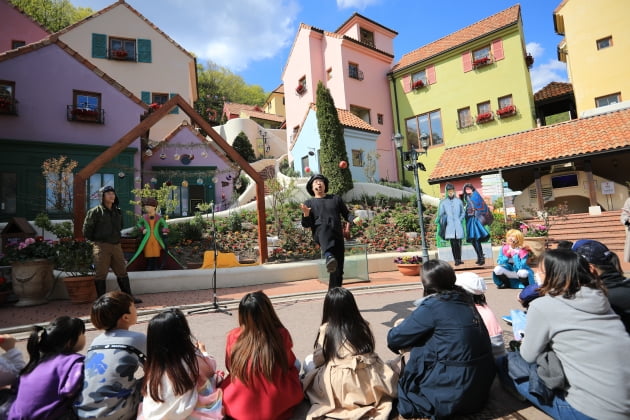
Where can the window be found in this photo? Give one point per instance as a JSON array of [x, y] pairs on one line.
[[86, 106], [329, 74], [362, 113], [7, 97], [379, 118], [564, 181], [604, 43], [122, 49], [367, 37], [608, 100], [419, 79], [429, 123], [464, 119], [357, 157], [483, 107], [354, 72], [17, 44], [96, 182], [481, 57], [505, 101], [8, 193], [305, 165], [301, 87], [159, 98]]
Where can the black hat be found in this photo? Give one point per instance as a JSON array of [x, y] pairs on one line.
[[449, 186], [309, 184], [593, 251], [109, 188]]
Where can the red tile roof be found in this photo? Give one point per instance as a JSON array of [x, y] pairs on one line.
[[348, 119], [479, 29], [553, 90], [575, 138]]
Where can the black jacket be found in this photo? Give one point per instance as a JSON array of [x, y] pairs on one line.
[[103, 225]]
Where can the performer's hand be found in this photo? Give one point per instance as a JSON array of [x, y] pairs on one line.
[[346, 230], [306, 211]]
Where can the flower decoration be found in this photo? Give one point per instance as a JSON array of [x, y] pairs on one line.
[[481, 61], [29, 249], [155, 106], [408, 259], [300, 89], [534, 230], [484, 116], [418, 84], [119, 53], [506, 110]]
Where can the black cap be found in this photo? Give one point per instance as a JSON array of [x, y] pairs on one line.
[[593, 251], [309, 184], [449, 186], [107, 188]]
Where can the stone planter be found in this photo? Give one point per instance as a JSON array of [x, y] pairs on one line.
[[32, 281], [80, 289], [409, 269]]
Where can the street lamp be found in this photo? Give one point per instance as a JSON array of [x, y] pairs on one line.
[[263, 134], [397, 139], [411, 157]]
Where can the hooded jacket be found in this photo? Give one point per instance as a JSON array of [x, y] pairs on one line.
[[592, 345]]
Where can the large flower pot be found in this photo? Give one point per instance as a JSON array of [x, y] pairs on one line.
[[537, 246], [80, 289], [409, 269], [32, 281]]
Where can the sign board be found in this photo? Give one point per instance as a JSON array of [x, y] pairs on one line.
[[608, 187]]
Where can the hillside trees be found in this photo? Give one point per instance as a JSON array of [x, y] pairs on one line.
[[53, 14]]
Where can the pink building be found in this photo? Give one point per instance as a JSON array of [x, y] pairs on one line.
[[353, 62], [17, 28]]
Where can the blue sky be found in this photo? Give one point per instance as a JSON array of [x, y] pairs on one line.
[[253, 37]]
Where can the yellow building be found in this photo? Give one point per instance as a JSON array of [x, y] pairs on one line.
[[274, 104], [595, 47]]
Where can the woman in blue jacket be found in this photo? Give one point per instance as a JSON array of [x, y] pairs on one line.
[[450, 367]]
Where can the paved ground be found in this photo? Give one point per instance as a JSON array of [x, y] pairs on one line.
[[384, 299]]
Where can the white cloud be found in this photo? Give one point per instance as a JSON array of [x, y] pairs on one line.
[[232, 34], [551, 71], [535, 49], [355, 4]]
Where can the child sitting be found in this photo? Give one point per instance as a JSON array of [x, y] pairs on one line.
[[476, 286], [11, 363], [52, 378], [111, 390], [180, 377], [348, 379], [513, 271]]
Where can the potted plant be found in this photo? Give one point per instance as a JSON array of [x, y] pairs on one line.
[[506, 111], [31, 262], [418, 84], [481, 62], [484, 117], [408, 265], [300, 89]]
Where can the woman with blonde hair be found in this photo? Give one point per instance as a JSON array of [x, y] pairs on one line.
[[512, 271], [263, 378]]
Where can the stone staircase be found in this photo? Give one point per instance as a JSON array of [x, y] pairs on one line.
[[605, 228]]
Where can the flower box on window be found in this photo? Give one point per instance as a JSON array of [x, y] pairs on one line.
[[480, 62], [85, 114], [7, 105], [418, 84], [300, 89], [484, 117], [506, 111], [119, 54]]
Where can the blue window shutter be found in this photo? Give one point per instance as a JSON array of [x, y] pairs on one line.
[[145, 97], [99, 46], [176, 109], [144, 50]]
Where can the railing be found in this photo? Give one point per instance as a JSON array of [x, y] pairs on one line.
[[93, 115], [355, 73]]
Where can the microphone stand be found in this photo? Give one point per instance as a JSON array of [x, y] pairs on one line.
[[214, 307]]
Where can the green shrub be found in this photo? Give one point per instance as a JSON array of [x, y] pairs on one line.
[[407, 222], [234, 222]]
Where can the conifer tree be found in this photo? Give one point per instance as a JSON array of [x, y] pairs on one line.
[[332, 143], [244, 148]]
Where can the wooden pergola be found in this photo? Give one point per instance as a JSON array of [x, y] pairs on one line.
[[149, 121]]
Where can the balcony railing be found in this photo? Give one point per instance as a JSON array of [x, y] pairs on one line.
[[506, 111], [8, 106], [355, 73], [92, 115], [482, 61], [485, 117]]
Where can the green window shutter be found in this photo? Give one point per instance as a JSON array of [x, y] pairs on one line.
[[176, 109], [144, 50], [145, 97], [99, 46]]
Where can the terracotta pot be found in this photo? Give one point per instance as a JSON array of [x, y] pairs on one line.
[[32, 281], [80, 289], [409, 269]]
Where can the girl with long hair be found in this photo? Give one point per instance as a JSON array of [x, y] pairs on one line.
[[450, 367], [263, 376], [349, 380], [573, 319], [180, 378], [53, 376]]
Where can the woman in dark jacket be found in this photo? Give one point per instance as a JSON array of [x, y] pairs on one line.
[[450, 367]]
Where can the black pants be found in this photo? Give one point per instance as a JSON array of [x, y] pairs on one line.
[[456, 248], [476, 244], [331, 243]]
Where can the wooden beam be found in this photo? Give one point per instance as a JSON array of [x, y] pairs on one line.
[[147, 122]]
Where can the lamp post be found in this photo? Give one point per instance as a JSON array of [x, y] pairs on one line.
[[397, 139], [413, 165], [263, 134]]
